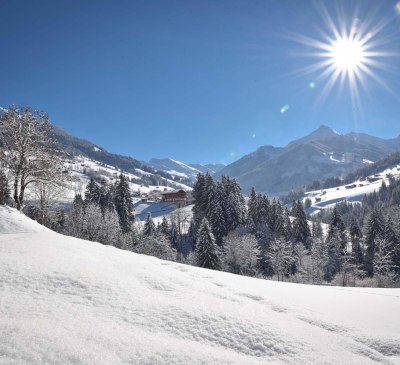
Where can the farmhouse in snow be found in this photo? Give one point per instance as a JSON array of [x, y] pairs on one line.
[[175, 196]]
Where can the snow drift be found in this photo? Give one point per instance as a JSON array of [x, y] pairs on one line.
[[65, 300]]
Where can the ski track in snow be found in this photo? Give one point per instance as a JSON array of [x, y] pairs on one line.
[[68, 301]]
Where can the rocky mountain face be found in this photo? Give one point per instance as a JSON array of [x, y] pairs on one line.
[[321, 154]]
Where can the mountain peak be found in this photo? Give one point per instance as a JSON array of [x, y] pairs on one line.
[[323, 132]]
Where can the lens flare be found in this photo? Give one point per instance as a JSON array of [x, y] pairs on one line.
[[398, 7], [285, 108]]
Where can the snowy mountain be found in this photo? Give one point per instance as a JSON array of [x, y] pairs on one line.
[[182, 170], [321, 154], [211, 168], [174, 167], [65, 300], [74, 146]]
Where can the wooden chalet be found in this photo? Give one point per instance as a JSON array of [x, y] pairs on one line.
[[175, 196]]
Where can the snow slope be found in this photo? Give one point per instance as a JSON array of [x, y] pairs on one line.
[[80, 167], [65, 300], [327, 198]]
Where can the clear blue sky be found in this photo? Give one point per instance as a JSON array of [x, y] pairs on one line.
[[199, 81]]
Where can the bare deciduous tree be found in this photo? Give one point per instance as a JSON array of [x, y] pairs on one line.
[[27, 150]]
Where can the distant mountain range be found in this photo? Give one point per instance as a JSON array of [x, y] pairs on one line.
[[321, 154]]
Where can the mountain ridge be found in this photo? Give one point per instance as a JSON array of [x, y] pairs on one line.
[[322, 153]]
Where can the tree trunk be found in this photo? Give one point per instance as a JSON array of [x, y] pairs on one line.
[[21, 196], [16, 197]]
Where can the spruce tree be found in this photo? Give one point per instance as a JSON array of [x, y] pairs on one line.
[[252, 213], [106, 197], [124, 204], [355, 237], [333, 256], [317, 231], [174, 235], [301, 229], [149, 226], [336, 222], [288, 230], [197, 193], [92, 192], [264, 209], [217, 222], [374, 230], [207, 253], [164, 227], [234, 206], [393, 244]]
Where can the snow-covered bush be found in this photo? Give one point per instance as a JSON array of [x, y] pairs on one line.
[[241, 254], [158, 246]]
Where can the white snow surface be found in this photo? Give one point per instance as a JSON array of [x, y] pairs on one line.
[[328, 198], [65, 300]]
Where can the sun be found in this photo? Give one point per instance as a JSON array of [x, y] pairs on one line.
[[347, 54]]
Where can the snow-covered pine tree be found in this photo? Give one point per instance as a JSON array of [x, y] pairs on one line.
[[197, 193], [106, 196], [207, 253], [264, 209], [92, 192], [288, 230], [174, 235], [374, 229], [301, 229], [191, 235], [317, 232], [234, 207], [164, 227], [333, 255], [203, 191], [217, 222], [252, 213], [355, 238], [393, 244], [124, 204], [149, 228], [276, 222], [336, 222]]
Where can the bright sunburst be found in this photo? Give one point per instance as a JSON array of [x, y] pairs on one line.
[[348, 54]]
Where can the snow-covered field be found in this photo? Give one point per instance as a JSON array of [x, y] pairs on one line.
[[327, 198], [65, 300]]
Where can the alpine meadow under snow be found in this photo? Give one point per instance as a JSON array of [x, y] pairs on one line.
[[65, 300]]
